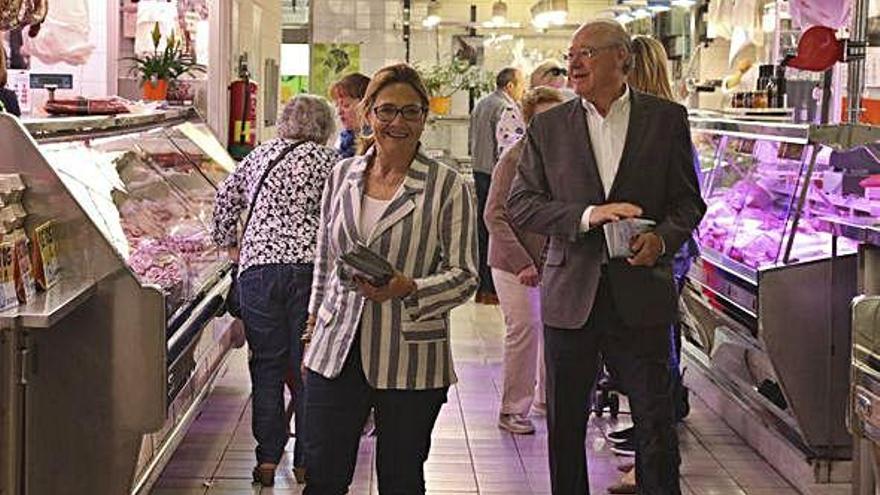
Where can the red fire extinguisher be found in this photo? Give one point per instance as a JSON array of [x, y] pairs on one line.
[[242, 113]]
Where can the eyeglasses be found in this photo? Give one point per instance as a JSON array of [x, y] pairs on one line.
[[586, 52], [556, 72], [387, 113]]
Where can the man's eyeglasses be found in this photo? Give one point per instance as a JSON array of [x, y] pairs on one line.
[[387, 113], [586, 52], [556, 72]]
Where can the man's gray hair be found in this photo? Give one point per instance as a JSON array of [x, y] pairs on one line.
[[617, 35], [307, 117]]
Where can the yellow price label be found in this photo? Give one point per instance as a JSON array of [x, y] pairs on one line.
[[8, 298], [48, 249]]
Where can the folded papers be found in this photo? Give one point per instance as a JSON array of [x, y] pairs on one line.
[[618, 235], [368, 264]]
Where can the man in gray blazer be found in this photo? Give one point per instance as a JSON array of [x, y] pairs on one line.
[[484, 149], [613, 153]]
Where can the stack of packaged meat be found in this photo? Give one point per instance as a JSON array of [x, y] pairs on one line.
[[169, 246]]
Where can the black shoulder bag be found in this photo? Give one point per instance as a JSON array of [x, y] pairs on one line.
[[233, 299]]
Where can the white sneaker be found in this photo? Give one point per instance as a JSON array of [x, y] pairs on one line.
[[516, 424]]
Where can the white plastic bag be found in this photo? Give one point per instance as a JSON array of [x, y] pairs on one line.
[[64, 36]]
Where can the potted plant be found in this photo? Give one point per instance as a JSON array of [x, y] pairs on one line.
[[442, 80], [163, 67]]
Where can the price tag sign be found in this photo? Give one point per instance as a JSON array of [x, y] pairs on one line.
[[8, 297], [24, 280], [46, 260]]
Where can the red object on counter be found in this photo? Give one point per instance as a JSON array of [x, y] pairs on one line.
[[83, 106]]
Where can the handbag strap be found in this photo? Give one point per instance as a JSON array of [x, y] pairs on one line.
[[275, 161]]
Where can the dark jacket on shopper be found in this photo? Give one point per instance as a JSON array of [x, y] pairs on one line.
[[558, 178], [482, 144], [9, 102]]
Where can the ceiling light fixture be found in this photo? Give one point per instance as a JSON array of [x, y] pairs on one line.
[[546, 13], [684, 3], [433, 17], [624, 18], [499, 13]]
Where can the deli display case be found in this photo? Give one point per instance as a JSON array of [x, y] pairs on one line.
[[119, 352], [766, 306]]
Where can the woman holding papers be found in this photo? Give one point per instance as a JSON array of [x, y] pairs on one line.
[[386, 347]]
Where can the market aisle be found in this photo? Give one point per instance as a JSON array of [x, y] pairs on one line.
[[469, 454]]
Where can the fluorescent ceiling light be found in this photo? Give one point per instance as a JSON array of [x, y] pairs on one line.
[[624, 18], [433, 17], [546, 13], [684, 3], [499, 12]]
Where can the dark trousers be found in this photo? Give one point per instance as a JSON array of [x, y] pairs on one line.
[[274, 307], [335, 413], [639, 357], [482, 182]]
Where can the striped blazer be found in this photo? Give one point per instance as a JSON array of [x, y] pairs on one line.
[[428, 232]]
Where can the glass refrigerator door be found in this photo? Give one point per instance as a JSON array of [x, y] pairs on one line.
[[752, 194], [152, 200]]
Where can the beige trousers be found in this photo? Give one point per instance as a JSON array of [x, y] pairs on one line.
[[523, 344]]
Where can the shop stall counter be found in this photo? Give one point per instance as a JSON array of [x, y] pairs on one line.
[[103, 369]]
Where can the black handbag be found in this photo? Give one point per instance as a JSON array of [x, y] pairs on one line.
[[233, 298]]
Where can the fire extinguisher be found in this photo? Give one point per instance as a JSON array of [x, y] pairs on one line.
[[242, 113]]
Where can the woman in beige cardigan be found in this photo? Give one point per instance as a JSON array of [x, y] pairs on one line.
[[515, 258]]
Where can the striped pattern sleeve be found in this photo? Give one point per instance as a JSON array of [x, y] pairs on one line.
[[322, 247], [456, 279]]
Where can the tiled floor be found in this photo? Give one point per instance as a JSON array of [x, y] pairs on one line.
[[469, 454]]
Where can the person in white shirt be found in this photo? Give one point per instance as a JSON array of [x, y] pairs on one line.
[[613, 154]]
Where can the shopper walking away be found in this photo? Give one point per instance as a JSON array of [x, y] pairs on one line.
[[279, 185], [496, 124], [386, 346], [614, 154], [515, 258]]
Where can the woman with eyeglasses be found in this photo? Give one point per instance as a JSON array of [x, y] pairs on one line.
[[384, 344]]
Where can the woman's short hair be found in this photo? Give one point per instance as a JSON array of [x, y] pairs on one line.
[[539, 96], [353, 85], [540, 73], [307, 117], [649, 73]]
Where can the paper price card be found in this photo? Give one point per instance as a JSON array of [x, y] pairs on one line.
[[46, 265], [24, 280], [8, 297]]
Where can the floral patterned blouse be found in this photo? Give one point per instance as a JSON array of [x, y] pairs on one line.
[[284, 224], [510, 128]]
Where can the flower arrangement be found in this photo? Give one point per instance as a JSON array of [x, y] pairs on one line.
[[163, 67]]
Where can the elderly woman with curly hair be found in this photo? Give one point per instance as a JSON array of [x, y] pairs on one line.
[[279, 187]]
